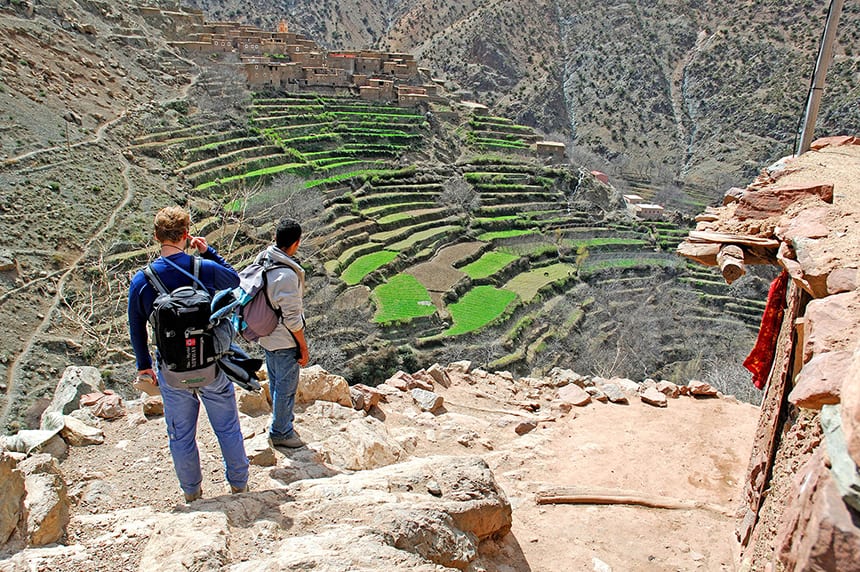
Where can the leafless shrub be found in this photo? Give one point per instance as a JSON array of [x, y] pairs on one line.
[[459, 195]]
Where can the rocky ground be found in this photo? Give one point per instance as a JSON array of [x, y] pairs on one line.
[[397, 486]]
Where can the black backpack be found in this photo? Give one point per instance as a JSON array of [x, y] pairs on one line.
[[189, 342]]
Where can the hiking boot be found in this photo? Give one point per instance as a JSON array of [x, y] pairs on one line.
[[196, 495], [291, 441], [238, 491]]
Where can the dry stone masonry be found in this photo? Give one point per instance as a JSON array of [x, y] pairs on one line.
[[802, 214]]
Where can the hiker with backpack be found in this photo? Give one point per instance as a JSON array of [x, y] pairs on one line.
[[286, 349], [174, 294]]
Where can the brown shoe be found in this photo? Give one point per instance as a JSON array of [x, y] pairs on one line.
[[237, 490], [291, 441], [196, 495]]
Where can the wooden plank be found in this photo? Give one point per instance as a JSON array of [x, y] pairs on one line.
[[722, 237], [764, 447]]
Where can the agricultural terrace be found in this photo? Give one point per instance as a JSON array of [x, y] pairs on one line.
[[439, 274], [401, 299], [316, 138], [364, 265], [382, 220], [496, 235], [527, 284], [489, 263], [477, 308]]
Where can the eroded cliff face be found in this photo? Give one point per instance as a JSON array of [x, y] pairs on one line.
[[802, 214]]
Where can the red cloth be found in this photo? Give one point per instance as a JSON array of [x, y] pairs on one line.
[[761, 357]]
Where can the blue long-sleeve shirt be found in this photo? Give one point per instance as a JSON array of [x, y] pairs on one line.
[[215, 273]]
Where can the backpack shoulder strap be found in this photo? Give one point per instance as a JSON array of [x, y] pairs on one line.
[[269, 264], [153, 279], [195, 280]]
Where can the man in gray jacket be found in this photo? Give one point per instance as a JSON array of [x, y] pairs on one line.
[[286, 348]]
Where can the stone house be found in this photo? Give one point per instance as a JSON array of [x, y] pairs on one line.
[[550, 149]]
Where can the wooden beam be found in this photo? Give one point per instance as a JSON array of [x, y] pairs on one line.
[[731, 261], [702, 252]]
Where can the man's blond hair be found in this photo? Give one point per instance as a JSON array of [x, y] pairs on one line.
[[171, 224]]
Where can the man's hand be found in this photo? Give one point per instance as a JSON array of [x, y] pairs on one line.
[[305, 357], [150, 373], [199, 243]]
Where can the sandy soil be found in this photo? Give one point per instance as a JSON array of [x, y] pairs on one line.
[[692, 450]]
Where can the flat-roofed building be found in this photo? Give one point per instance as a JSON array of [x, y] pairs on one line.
[[647, 211], [550, 149]]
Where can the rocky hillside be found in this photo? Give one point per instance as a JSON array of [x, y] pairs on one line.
[[453, 468], [674, 91], [502, 258]]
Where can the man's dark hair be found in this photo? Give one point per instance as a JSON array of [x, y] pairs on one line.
[[287, 232]]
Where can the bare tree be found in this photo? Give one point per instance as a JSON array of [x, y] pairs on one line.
[[458, 194], [284, 195]]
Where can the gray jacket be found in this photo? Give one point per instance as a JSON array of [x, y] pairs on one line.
[[285, 288]]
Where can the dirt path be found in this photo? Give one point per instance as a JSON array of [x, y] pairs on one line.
[[693, 451]]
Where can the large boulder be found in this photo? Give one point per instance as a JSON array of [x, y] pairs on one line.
[[851, 408], [820, 381], [818, 530], [317, 384], [47, 502], [426, 515], [11, 496], [832, 324], [75, 383]]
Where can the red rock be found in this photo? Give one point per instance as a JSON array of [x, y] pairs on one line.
[[763, 203], [574, 395], [701, 389], [810, 223], [843, 280], [835, 141], [820, 380], [851, 408], [832, 324], [370, 397], [817, 530]]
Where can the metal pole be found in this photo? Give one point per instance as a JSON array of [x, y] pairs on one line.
[[825, 55]]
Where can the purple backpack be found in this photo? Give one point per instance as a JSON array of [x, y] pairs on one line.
[[256, 316]]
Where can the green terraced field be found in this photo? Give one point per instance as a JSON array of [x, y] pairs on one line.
[[489, 263], [401, 299], [364, 265], [489, 236], [477, 308], [527, 284], [424, 235]]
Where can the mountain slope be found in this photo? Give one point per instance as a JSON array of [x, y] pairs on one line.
[[700, 93]]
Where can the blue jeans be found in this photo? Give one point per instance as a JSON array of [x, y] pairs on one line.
[[181, 408], [283, 381]]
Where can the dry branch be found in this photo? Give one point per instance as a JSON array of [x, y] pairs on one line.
[[576, 495]]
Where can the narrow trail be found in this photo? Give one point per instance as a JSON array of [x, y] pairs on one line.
[[11, 374], [97, 138]]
